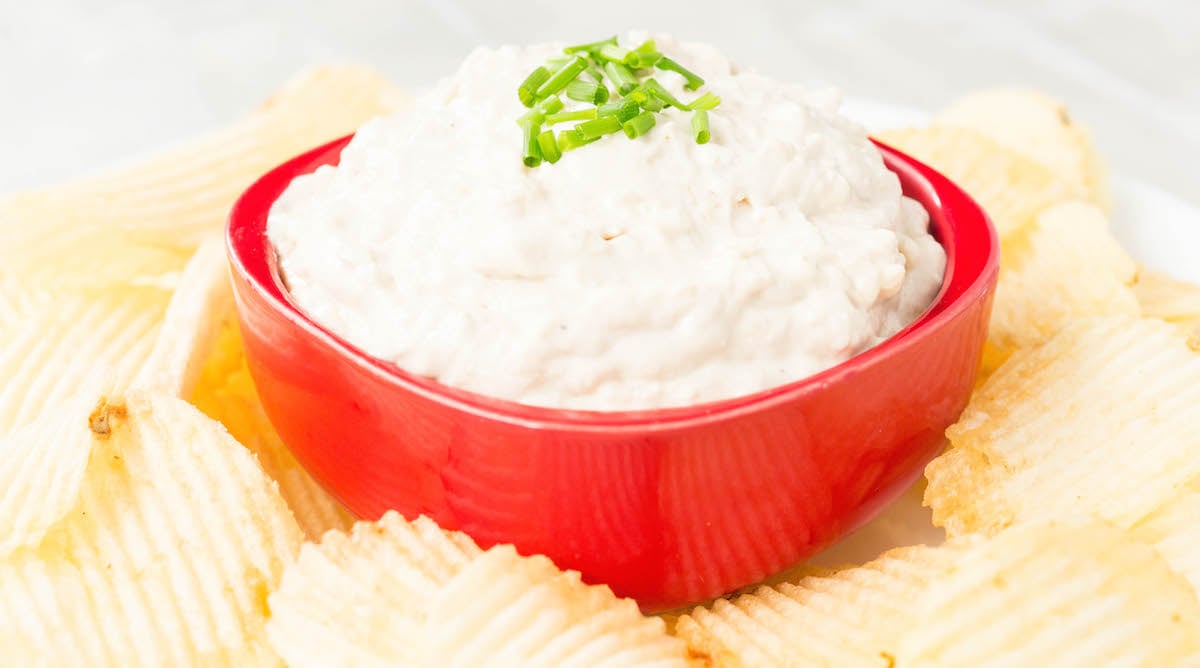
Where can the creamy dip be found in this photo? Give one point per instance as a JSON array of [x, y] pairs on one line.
[[632, 274]]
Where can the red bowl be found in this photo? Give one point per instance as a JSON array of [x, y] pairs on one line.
[[671, 506]]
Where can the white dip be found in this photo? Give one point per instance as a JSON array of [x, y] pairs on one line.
[[631, 274]]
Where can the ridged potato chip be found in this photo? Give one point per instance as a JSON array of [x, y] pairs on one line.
[[69, 341], [1038, 127], [848, 618], [1012, 188], [144, 222], [400, 593], [1046, 595], [165, 557], [199, 357], [1104, 418], [1174, 530], [1172, 300], [1062, 267], [358, 599]]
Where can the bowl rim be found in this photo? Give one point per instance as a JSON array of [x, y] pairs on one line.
[[252, 258]]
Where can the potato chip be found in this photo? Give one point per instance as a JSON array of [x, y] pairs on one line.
[[848, 618], [1051, 595], [503, 609], [359, 598], [1172, 300], [1104, 418], [71, 341], [1174, 530], [1011, 187], [1064, 266], [145, 221], [1038, 127], [57, 466], [399, 593], [166, 557]]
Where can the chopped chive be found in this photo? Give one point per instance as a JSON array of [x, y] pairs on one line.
[[645, 99], [647, 46], [586, 91], [550, 105], [700, 127], [613, 53], [569, 140], [599, 127], [562, 77], [564, 116], [590, 46], [643, 60], [639, 125], [549, 146], [595, 73], [527, 91], [531, 117], [557, 62], [706, 102], [624, 109], [694, 81], [621, 76], [656, 89], [532, 156]]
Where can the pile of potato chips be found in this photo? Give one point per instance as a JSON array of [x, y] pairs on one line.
[[150, 516]]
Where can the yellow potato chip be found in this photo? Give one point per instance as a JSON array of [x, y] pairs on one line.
[[1011, 187], [1104, 418], [400, 593], [1038, 127], [1169, 299], [166, 557], [71, 341], [191, 324], [503, 609], [358, 598], [56, 466], [1174, 530], [1062, 267], [848, 618], [145, 221], [1054, 596]]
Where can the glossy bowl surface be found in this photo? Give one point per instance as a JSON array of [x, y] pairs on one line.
[[670, 507]]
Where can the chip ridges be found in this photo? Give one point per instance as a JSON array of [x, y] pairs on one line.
[[166, 556], [1104, 419]]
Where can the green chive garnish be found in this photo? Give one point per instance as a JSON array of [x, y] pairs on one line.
[[599, 127], [656, 89], [590, 46], [569, 140], [613, 53], [700, 126], [609, 67], [586, 91], [624, 109], [549, 146], [550, 105], [566, 116], [645, 99], [694, 81], [621, 76], [527, 91], [639, 125], [707, 102], [532, 156], [562, 77]]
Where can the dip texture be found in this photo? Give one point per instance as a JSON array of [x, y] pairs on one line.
[[632, 274]]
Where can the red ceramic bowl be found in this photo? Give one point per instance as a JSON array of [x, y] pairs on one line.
[[670, 507]]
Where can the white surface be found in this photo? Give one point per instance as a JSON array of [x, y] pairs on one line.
[[87, 82]]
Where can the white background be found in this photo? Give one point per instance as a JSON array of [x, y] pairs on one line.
[[88, 82]]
